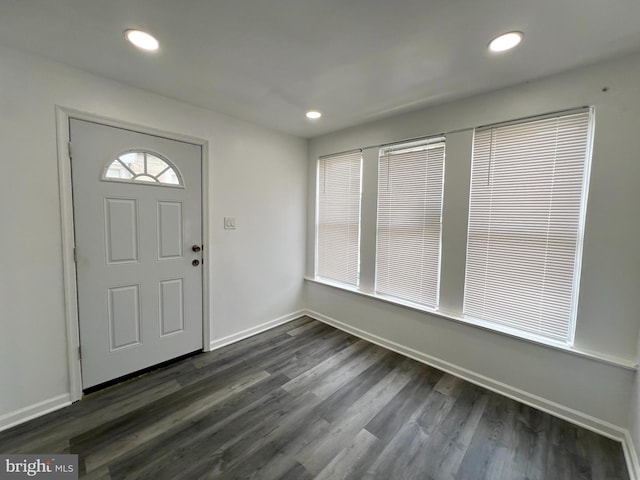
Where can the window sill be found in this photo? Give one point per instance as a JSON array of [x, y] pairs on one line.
[[600, 357]]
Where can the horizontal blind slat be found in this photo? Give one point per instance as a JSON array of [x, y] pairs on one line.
[[410, 189], [338, 229], [524, 219]]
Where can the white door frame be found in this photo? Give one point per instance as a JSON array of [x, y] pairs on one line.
[[63, 115]]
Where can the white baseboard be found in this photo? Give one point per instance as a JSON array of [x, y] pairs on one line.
[[574, 416], [250, 332], [631, 455], [39, 409]]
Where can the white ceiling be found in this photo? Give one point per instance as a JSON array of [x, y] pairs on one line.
[[268, 61]]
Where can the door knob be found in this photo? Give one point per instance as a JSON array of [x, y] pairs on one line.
[[195, 263], [196, 248]]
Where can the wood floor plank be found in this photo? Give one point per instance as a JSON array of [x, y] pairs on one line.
[[403, 458], [269, 438], [250, 442], [280, 454], [568, 453], [247, 344], [354, 460], [193, 439], [432, 414], [335, 405], [606, 460], [325, 348], [449, 443], [488, 453], [349, 369], [297, 330], [404, 455], [324, 369], [297, 472], [388, 422], [449, 385], [528, 444], [130, 432], [305, 400], [307, 351], [101, 473], [52, 432], [278, 348], [319, 347], [220, 359], [320, 452], [278, 457], [200, 446]]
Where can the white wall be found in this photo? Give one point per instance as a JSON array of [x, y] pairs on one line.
[[607, 322], [256, 270], [255, 174]]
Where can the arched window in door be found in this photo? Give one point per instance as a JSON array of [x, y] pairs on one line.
[[142, 167]]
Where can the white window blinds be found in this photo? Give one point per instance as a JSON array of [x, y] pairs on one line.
[[410, 188], [338, 217], [528, 189]]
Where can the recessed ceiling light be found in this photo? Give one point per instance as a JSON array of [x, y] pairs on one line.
[[313, 114], [506, 41], [142, 39]]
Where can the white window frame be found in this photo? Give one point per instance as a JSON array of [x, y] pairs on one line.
[[317, 273], [509, 329], [409, 294]]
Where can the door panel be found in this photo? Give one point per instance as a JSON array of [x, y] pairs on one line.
[[169, 230], [171, 306], [139, 296], [121, 229], [124, 316]]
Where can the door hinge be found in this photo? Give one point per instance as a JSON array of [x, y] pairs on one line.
[[79, 351], [75, 255], [69, 147]]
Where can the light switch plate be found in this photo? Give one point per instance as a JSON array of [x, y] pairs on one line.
[[229, 223]]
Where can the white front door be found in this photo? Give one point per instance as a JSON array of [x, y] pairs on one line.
[[138, 230]]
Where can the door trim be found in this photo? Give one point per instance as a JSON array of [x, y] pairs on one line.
[[63, 115]]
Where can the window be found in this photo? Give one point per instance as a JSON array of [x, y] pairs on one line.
[[410, 189], [141, 167], [338, 217], [526, 209]]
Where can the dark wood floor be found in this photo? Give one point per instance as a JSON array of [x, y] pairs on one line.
[[304, 401]]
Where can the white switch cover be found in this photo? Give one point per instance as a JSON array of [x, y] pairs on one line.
[[229, 223]]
